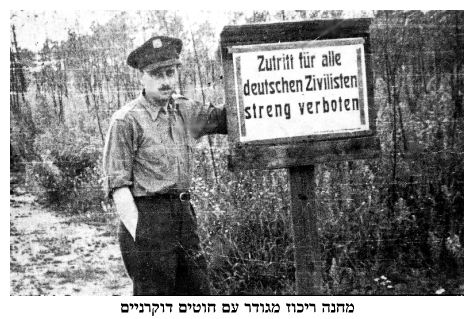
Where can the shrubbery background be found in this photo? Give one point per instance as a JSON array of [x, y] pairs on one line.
[[391, 225]]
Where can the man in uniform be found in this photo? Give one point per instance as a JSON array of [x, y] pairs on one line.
[[147, 166]]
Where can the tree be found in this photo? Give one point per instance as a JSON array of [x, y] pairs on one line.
[[22, 127]]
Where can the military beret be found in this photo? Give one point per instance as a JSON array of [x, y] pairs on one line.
[[157, 52]]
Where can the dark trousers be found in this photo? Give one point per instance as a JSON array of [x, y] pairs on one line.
[[165, 258]]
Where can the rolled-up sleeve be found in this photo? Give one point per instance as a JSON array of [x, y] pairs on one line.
[[118, 155]]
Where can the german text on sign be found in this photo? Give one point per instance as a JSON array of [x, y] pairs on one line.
[[301, 88]]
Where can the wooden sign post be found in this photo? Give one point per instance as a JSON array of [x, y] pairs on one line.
[[297, 94], [305, 219]]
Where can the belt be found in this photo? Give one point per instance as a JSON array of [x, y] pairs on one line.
[[182, 196]]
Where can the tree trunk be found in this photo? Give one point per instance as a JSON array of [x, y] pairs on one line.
[[204, 102], [96, 109]]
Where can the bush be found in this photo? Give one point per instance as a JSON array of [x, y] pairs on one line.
[[248, 253], [68, 176], [244, 223]]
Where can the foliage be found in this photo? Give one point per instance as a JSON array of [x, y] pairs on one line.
[[390, 225], [67, 177], [245, 229]]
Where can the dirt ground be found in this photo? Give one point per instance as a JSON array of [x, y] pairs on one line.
[[52, 254]]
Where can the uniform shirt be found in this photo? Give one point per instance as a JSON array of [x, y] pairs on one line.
[[149, 147]]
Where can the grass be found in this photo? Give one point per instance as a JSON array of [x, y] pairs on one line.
[[88, 273]]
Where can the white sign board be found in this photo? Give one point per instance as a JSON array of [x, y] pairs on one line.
[[301, 88]]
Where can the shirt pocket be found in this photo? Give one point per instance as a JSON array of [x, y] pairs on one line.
[[157, 156]]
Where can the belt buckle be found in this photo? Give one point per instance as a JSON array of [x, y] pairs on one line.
[[185, 197]]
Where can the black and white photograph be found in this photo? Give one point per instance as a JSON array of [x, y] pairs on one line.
[[237, 153]]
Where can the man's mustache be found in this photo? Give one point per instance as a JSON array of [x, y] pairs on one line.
[[165, 88]]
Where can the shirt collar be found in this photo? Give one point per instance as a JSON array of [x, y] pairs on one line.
[[153, 109]]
